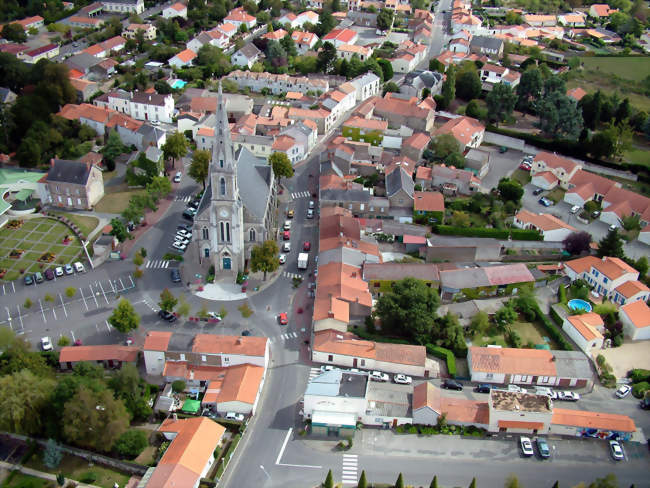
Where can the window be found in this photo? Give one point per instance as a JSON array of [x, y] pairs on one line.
[[604, 280], [204, 358], [221, 233], [221, 163], [489, 376], [226, 360], [330, 358], [181, 357], [251, 235], [596, 273], [206, 252], [228, 231], [206, 235], [363, 363]]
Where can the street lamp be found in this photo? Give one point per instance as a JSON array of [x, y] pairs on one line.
[[267, 474]]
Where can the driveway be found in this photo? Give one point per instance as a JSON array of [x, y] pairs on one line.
[[629, 356], [501, 165]]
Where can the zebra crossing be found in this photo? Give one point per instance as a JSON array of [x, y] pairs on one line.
[[291, 275], [183, 198], [349, 469], [285, 337], [300, 194], [157, 264]]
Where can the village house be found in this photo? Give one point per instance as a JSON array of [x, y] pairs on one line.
[[488, 46], [549, 226], [182, 59], [473, 282], [635, 317], [586, 330], [550, 170], [339, 37], [601, 10], [239, 17], [447, 179], [111, 356], [277, 83], [175, 10], [430, 205], [491, 74], [399, 110], [33, 56], [467, 131], [400, 187], [74, 185], [148, 31], [247, 56], [478, 162], [304, 40], [414, 145]]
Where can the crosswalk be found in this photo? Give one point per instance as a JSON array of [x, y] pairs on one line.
[[349, 469], [300, 194], [291, 275], [157, 264], [183, 198], [284, 337]]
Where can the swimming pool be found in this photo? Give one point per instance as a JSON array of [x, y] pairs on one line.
[[178, 84], [577, 304]]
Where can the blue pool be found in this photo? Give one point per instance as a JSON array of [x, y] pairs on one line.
[[178, 84], [577, 304]]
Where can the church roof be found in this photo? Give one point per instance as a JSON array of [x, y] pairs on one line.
[[254, 177]]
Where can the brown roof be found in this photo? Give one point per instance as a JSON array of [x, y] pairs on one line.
[[423, 173], [520, 424], [223, 344], [542, 222], [576, 93], [418, 140], [631, 288], [157, 340], [534, 362], [397, 271], [115, 352], [613, 268], [361, 123], [406, 108], [586, 325], [241, 384], [638, 312], [552, 160], [593, 420], [429, 201], [283, 143], [339, 282], [457, 409], [347, 344]]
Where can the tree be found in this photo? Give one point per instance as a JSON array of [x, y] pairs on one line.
[[14, 32], [603, 144], [289, 45], [611, 245], [175, 147], [434, 482], [480, 323], [113, 148], [510, 190], [400, 481], [468, 85], [631, 222], [448, 91], [505, 316], [276, 54], [329, 482], [281, 165], [159, 187], [52, 454], [557, 483], [326, 22], [641, 265], [124, 317], [473, 483], [213, 61], [460, 219], [128, 387], [363, 483], [444, 145], [529, 89], [167, 300], [391, 87], [608, 481], [200, 166], [94, 420], [474, 110], [384, 19], [500, 102], [512, 482], [131, 443], [387, 69], [24, 398], [326, 58], [264, 257], [409, 309], [559, 116], [577, 242], [178, 386]]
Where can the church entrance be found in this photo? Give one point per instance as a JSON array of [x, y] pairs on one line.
[[227, 263]]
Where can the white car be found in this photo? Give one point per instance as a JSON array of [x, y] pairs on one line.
[[543, 390], [185, 233], [182, 240], [575, 209], [516, 389], [623, 391], [616, 450], [568, 396], [286, 247], [239, 417], [287, 225], [214, 316], [526, 446], [282, 258], [326, 368], [402, 379], [58, 271], [179, 245], [46, 344], [177, 177], [78, 267], [379, 376]]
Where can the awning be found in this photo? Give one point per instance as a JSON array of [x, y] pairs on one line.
[[334, 419], [24, 194]]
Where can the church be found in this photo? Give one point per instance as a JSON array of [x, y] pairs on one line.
[[238, 208]]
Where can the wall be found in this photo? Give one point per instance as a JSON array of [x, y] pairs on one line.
[[367, 364], [235, 406], [154, 362], [631, 330], [425, 416]]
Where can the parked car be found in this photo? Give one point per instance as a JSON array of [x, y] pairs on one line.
[[180, 246], [68, 269], [616, 450], [306, 246], [312, 205], [483, 388], [282, 258], [526, 446], [595, 214], [38, 277], [239, 417], [543, 390], [58, 271], [214, 316], [184, 233], [379, 376], [568, 396], [175, 275], [287, 225], [613, 227], [503, 149], [516, 389], [542, 448], [181, 240], [283, 319], [46, 344], [575, 209], [78, 267], [310, 214], [177, 177], [545, 201], [525, 166], [186, 227], [29, 280], [168, 316], [326, 368], [623, 391], [189, 214], [49, 274], [451, 385], [286, 247], [537, 191], [286, 235], [402, 379], [290, 214]]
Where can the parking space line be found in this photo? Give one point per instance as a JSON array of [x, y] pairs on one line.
[[123, 288], [53, 312], [20, 317], [103, 293], [108, 326], [13, 287], [92, 294], [63, 305], [132, 283], [9, 318], [84, 299], [42, 311], [73, 338], [112, 287], [3, 289]]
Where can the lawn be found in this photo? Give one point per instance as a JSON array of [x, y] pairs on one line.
[[116, 202], [631, 68], [638, 156], [529, 332], [521, 176], [77, 468], [86, 224], [21, 480], [557, 195]]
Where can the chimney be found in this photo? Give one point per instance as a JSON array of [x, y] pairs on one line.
[[330, 314], [52, 162], [354, 274], [175, 417]]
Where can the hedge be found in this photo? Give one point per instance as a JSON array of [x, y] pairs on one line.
[[446, 354], [639, 375], [556, 317], [553, 330], [517, 234]]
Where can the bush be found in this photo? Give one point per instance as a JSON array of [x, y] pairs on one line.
[[639, 389], [131, 443], [639, 375], [446, 354], [178, 386], [517, 234], [556, 317], [561, 294], [88, 477]]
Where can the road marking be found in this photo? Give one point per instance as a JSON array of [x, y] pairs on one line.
[[123, 287], [20, 317], [92, 294], [84, 299], [132, 284], [103, 293], [42, 311], [73, 338], [112, 287], [284, 445], [349, 469], [108, 326], [53, 312], [3, 290], [63, 305], [13, 287]]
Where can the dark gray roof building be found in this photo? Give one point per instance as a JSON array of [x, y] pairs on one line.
[[66, 171], [398, 180]]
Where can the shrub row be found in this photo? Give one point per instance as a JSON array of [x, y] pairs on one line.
[[469, 430], [552, 329], [638, 375], [446, 354], [516, 234], [378, 338], [556, 317]]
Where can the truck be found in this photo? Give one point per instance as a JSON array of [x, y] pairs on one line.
[[303, 260]]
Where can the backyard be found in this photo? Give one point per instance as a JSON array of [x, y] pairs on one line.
[[32, 245], [530, 333], [21, 480]]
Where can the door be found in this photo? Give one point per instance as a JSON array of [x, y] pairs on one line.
[[354, 362], [394, 423], [227, 263]]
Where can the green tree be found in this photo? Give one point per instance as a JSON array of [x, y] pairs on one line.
[[505, 316], [603, 144], [124, 317], [474, 110], [276, 54], [60, 479], [119, 230], [14, 32], [24, 398], [435, 65], [178, 386], [631, 222], [159, 187], [94, 420], [281, 165], [641, 265], [386, 68], [113, 148], [512, 482], [391, 87], [326, 22], [289, 45], [557, 483], [510, 190], [385, 19], [200, 167], [129, 388], [362, 480], [577, 242], [167, 300], [409, 309], [445, 145], [611, 245], [400, 481], [175, 147], [52, 454], [434, 482], [608, 481], [448, 91], [213, 61], [326, 58], [329, 481], [264, 257], [460, 219], [473, 483], [500, 102], [559, 116], [131, 443], [480, 323], [468, 85], [529, 89], [63, 341]]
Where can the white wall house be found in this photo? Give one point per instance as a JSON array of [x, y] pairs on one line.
[[124, 6], [603, 275], [549, 226], [175, 10], [635, 317], [586, 331]]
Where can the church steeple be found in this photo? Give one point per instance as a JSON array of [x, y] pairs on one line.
[[223, 154]]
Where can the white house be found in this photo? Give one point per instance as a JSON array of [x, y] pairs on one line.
[[635, 317], [304, 41], [341, 36], [346, 349], [123, 6], [562, 169], [491, 74], [236, 389], [606, 276], [366, 85], [346, 51], [155, 346], [175, 10], [227, 29], [182, 59], [246, 56], [551, 228], [148, 30], [585, 330], [238, 16]]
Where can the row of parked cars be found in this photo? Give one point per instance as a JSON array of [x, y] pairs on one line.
[[51, 273], [400, 379], [567, 396], [527, 450]]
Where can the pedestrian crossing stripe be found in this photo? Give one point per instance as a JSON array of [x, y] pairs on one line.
[[300, 194], [286, 337], [186, 199], [157, 264], [349, 469], [291, 275]]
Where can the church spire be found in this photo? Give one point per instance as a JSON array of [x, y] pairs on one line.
[[223, 154]]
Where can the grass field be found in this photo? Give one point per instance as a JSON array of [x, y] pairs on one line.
[[85, 224], [116, 202], [77, 469], [20, 480], [528, 331], [638, 156], [631, 68]]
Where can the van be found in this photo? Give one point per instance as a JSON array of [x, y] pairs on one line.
[[78, 267], [542, 390], [235, 416]]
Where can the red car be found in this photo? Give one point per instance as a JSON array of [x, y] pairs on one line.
[[283, 319], [306, 246], [525, 166], [286, 235]]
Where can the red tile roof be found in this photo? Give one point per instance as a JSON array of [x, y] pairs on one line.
[[429, 201], [638, 312], [223, 344], [535, 362], [157, 340], [73, 354], [593, 420], [457, 409]]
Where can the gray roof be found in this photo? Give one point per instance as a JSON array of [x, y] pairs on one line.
[[329, 167], [338, 383], [572, 364], [82, 61], [397, 271], [345, 195], [151, 132], [66, 171], [254, 177], [426, 79], [249, 51], [399, 180], [389, 400], [149, 98], [455, 241], [153, 154], [486, 42], [457, 279]]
